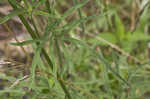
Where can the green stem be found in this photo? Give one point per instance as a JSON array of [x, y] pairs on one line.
[[35, 28], [61, 64], [65, 89], [82, 24], [59, 53], [48, 6]]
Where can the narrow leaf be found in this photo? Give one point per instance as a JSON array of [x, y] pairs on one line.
[[120, 29], [38, 12], [12, 14], [36, 58], [39, 3], [29, 42], [67, 13]]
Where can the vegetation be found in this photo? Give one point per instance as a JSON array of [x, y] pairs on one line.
[[82, 49]]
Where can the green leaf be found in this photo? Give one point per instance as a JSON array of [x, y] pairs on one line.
[[143, 19], [24, 42], [12, 91], [67, 59], [52, 54], [106, 36], [51, 82], [36, 59], [12, 14], [38, 12], [39, 3], [128, 45], [30, 42], [120, 29], [71, 10], [138, 36]]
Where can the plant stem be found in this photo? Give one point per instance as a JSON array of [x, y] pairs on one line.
[[61, 64], [82, 24], [35, 36], [48, 6]]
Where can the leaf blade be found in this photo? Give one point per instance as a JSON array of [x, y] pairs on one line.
[[12, 14]]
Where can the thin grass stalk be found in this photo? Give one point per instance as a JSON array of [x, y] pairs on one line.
[[48, 6], [35, 27], [82, 24], [61, 64], [64, 89], [59, 53]]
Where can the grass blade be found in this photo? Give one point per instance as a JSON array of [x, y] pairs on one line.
[[70, 11], [12, 14]]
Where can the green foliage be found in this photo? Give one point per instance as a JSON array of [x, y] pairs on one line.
[[72, 66], [120, 29], [126, 40]]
